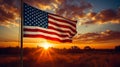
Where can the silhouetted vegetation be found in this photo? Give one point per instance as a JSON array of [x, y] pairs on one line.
[[117, 48], [10, 51], [74, 49], [54, 57], [87, 48]]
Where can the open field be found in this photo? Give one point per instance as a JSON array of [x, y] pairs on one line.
[[58, 58]]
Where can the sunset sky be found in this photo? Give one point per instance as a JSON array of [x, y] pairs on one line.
[[98, 22]]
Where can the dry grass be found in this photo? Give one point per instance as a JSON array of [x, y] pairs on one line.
[[44, 58]]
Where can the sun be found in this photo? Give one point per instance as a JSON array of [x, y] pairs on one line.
[[46, 46]]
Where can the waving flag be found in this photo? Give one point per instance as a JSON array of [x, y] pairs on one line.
[[41, 24]]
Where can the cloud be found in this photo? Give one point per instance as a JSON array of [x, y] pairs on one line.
[[9, 12], [104, 16], [46, 5], [73, 8], [103, 36]]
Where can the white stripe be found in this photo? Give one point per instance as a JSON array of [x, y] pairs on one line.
[[62, 18], [46, 34], [49, 30], [61, 23], [61, 28]]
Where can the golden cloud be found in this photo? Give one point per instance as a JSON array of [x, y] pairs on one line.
[[9, 13], [103, 16], [103, 36]]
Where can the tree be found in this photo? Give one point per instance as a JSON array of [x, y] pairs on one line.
[[87, 48], [117, 48], [74, 49]]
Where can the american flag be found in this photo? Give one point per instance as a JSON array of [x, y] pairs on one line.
[[41, 24]]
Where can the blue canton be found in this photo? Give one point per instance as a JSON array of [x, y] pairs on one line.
[[35, 17]]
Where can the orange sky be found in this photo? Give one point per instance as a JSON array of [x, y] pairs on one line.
[[39, 42]]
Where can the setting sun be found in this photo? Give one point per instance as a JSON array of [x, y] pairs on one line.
[[46, 45]]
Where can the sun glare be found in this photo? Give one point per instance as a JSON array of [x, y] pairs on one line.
[[46, 46]]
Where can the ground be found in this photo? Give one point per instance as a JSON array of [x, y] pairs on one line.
[[51, 58]]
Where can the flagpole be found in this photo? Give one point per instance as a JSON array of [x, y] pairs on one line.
[[21, 39]]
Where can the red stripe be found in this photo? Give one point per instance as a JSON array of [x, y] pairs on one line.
[[63, 26], [65, 21], [63, 31], [48, 32], [46, 37]]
